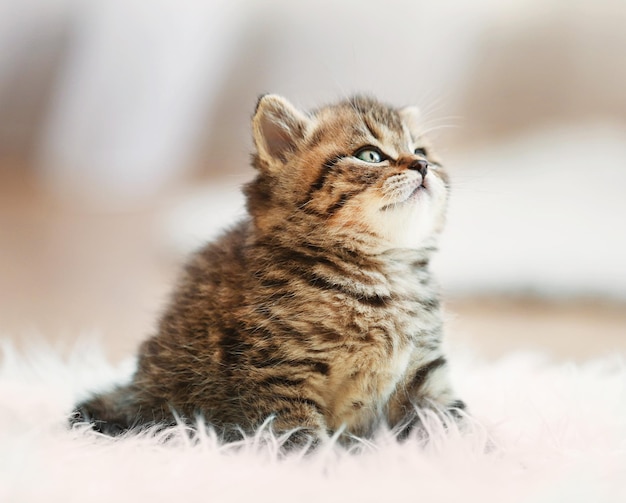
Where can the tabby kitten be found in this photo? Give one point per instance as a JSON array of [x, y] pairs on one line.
[[319, 309]]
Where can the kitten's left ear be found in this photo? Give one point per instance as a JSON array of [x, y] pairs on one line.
[[412, 117], [277, 127]]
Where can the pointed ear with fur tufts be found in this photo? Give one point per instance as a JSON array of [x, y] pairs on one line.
[[277, 127], [412, 117]]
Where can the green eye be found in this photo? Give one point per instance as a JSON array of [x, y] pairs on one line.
[[369, 155]]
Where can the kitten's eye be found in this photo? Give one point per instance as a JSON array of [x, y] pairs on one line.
[[369, 155], [421, 151]]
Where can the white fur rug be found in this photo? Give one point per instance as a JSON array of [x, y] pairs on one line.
[[542, 432]]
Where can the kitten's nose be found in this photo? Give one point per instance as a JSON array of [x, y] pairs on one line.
[[420, 165]]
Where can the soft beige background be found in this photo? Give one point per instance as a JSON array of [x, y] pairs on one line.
[[124, 135]]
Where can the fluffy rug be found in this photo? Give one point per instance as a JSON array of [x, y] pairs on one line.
[[541, 432]]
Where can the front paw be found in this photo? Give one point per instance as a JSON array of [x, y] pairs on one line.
[[415, 423], [301, 440]]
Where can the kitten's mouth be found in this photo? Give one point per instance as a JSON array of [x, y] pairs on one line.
[[413, 196], [420, 188]]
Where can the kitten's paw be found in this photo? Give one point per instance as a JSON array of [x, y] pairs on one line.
[[303, 440], [457, 409], [453, 413], [84, 414], [111, 413]]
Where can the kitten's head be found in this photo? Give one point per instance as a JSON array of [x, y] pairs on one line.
[[357, 172]]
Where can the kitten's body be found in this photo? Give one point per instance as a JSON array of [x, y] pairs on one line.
[[319, 309]]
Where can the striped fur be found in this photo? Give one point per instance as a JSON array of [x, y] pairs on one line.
[[319, 309]]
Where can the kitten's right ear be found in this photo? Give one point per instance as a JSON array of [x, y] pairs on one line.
[[277, 127]]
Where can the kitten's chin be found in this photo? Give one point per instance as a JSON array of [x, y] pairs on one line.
[[411, 225], [414, 222], [412, 236]]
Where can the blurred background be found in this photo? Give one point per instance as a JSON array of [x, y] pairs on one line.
[[124, 138]]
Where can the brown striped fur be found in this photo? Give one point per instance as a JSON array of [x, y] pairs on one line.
[[319, 309]]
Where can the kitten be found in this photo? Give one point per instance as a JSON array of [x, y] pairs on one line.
[[319, 309]]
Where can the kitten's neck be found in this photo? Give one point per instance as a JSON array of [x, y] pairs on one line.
[[346, 245], [350, 254]]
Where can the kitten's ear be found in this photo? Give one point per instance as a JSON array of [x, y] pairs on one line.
[[277, 127], [412, 117]]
